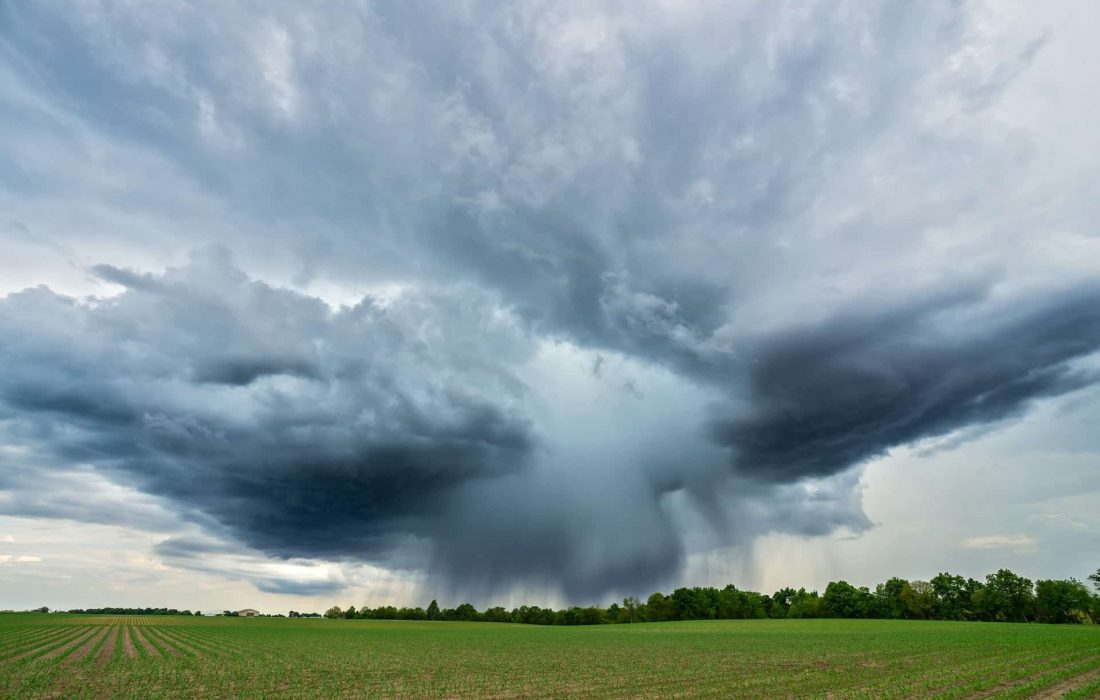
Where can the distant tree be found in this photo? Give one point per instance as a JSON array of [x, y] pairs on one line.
[[1004, 596], [614, 612], [890, 598], [842, 599], [593, 615], [524, 614], [781, 602], [42, 609], [569, 616], [740, 605], [466, 613], [433, 611], [694, 604], [411, 614], [919, 600], [1095, 578], [660, 608], [630, 609], [350, 613], [533, 615], [334, 613], [952, 598], [806, 605], [1008, 597], [1062, 601], [383, 612], [496, 614]]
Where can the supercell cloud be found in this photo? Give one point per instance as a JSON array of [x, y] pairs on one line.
[[550, 297]]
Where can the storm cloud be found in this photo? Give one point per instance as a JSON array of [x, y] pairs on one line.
[[832, 395], [549, 297], [183, 388], [413, 425]]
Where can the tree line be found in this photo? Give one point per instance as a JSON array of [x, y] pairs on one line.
[[1002, 597], [126, 611]]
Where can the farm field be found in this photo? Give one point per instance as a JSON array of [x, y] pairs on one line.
[[67, 656]]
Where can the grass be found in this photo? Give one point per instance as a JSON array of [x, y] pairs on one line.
[[236, 657]]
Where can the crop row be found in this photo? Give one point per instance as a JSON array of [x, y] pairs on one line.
[[62, 661], [130, 641], [265, 658]]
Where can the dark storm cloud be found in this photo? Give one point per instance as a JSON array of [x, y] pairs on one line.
[[675, 188], [335, 454], [544, 529], [285, 586], [408, 426], [245, 370], [382, 433], [825, 397]]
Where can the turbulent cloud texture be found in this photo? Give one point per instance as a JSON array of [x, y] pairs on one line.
[[301, 430], [836, 394], [551, 296]]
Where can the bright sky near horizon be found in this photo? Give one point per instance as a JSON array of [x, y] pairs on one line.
[[379, 302]]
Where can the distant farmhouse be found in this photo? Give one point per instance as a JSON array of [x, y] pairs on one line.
[[248, 612]]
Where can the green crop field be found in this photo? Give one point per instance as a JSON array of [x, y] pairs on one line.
[[69, 656]]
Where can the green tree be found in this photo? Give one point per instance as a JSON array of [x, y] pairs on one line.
[[952, 598], [1008, 597], [842, 599], [890, 599], [334, 612], [806, 605], [740, 605], [593, 616], [919, 600], [466, 613], [630, 608], [781, 602], [659, 608], [1062, 601], [497, 614], [694, 603], [412, 614], [1095, 578], [614, 612], [433, 611]]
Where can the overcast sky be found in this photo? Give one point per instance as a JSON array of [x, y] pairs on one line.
[[555, 302]]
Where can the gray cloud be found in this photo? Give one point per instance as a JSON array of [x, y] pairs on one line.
[[299, 587], [726, 213], [825, 397], [327, 462], [207, 555], [412, 425]]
